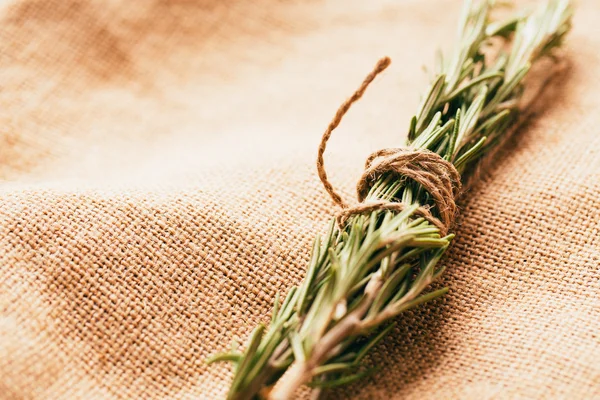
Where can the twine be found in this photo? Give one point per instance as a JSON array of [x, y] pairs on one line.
[[437, 176]]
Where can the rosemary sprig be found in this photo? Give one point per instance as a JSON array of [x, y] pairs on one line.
[[361, 276]]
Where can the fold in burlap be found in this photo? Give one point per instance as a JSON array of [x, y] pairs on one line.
[[159, 189]]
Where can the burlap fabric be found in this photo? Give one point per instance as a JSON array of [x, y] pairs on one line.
[[159, 187]]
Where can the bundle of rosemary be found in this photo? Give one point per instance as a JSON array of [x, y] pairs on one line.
[[379, 257]]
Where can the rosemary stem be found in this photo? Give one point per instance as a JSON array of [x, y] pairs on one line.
[[302, 371]]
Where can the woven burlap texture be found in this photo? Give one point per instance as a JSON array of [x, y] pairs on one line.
[[159, 188]]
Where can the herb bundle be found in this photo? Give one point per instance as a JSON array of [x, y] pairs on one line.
[[379, 258]]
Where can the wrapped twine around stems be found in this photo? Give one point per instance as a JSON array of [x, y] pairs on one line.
[[436, 175]]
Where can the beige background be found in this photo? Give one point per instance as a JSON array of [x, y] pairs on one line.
[[159, 187]]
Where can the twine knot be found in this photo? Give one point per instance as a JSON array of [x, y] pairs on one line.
[[436, 175]]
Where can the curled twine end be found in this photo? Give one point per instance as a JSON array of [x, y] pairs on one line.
[[436, 175], [381, 65]]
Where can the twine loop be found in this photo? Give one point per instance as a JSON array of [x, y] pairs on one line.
[[436, 175]]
